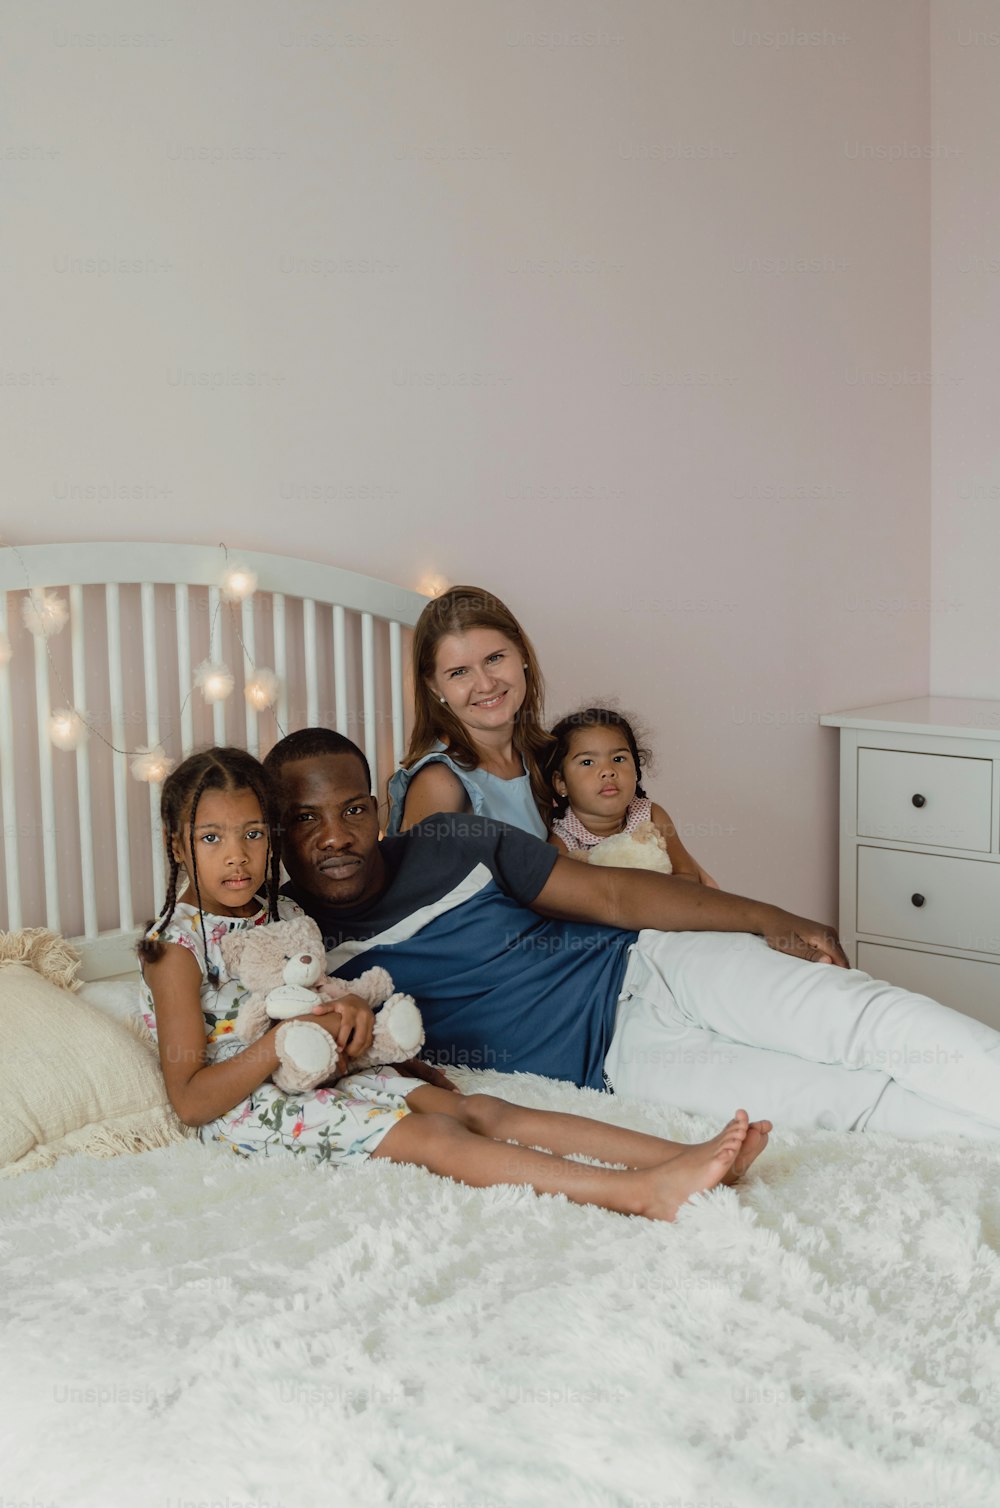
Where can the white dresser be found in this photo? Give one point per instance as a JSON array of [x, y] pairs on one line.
[[920, 847]]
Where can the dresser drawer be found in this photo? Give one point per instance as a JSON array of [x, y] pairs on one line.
[[966, 984], [940, 800], [960, 906]]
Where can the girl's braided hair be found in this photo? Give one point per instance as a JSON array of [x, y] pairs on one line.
[[562, 733], [224, 769]]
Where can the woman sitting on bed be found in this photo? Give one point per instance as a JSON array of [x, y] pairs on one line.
[[478, 742]]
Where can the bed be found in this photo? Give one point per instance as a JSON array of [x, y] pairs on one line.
[[184, 1327]]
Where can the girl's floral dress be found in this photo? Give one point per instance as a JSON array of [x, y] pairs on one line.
[[340, 1124]]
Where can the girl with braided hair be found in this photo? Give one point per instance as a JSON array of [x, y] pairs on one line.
[[227, 771]]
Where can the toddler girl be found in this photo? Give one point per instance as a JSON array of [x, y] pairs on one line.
[[593, 772], [219, 831]]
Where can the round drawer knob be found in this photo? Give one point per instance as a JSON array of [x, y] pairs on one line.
[[918, 900], [919, 800]]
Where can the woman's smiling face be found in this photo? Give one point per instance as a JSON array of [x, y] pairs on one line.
[[480, 674]]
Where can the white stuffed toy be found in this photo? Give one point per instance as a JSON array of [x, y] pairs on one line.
[[643, 848], [283, 965]]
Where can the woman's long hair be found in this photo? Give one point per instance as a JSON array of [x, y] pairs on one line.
[[456, 612]]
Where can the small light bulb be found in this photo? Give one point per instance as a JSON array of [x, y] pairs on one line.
[[44, 613], [261, 691], [238, 582], [214, 681], [67, 729], [152, 765]]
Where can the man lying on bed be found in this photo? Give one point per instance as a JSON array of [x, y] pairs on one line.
[[522, 960]]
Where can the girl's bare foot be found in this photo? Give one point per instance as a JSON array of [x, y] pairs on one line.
[[753, 1145], [693, 1171]]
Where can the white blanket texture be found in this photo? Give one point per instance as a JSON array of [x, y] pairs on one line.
[[183, 1327]]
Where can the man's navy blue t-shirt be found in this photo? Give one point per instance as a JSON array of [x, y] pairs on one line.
[[499, 986]]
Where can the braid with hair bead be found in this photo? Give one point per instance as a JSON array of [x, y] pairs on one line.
[[274, 875], [150, 948], [210, 972]]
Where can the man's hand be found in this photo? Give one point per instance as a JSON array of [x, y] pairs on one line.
[[803, 939], [416, 1068], [351, 1022]]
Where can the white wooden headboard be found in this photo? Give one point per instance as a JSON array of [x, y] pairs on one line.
[[82, 845]]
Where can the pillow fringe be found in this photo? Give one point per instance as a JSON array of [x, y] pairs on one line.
[[155, 1129], [46, 952], [137, 1026], [143, 1131]]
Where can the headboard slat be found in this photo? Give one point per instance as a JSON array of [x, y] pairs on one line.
[[311, 663], [8, 788], [250, 645], [339, 671], [183, 606], [119, 764], [46, 784], [396, 690], [83, 771], [149, 663], [368, 707], [281, 657], [216, 656]]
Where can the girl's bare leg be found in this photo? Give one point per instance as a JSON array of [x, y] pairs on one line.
[[563, 1134], [444, 1145]]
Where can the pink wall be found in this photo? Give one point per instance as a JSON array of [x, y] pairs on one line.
[[965, 51], [602, 306]]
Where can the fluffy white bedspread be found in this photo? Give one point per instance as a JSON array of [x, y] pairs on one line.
[[182, 1327]]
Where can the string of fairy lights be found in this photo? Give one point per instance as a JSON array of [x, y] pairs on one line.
[[45, 614]]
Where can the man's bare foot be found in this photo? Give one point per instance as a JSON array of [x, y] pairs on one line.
[[753, 1145], [698, 1168]]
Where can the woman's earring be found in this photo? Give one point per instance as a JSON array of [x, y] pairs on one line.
[[442, 701]]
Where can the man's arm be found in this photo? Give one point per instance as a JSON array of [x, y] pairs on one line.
[[636, 898]]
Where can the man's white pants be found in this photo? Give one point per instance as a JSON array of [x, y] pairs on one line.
[[709, 1021]]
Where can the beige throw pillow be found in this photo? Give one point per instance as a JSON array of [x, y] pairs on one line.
[[72, 1079]]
